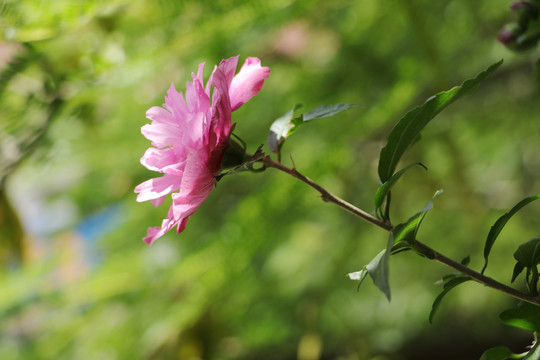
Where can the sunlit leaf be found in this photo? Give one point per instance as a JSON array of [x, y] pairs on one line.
[[409, 127], [499, 225], [378, 268], [288, 123], [451, 283], [524, 316], [280, 129]]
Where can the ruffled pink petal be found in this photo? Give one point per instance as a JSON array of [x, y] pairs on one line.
[[228, 68], [248, 82], [158, 201], [160, 115], [174, 102], [165, 161], [221, 108], [155, 233], [197, 184], [199, 76], [161, 135], [191, 135], [195, 136], [157, 187]]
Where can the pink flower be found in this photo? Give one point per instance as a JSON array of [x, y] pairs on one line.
[[190, 138]]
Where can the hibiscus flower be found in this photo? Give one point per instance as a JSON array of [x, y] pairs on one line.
[[189, 138]]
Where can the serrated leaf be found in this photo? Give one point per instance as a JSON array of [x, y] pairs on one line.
[[524, 316], [378, 268], [288, 123], [409, 127], [497, 353], [383, 190], [448, 285], [406, 232], [325, 111], [499, 225]]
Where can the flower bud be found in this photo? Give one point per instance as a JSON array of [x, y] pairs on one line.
[[509, 34]]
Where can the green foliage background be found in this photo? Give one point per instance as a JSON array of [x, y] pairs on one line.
[[260, 271]]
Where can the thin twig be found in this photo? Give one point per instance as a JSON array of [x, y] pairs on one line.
[[431, 254]]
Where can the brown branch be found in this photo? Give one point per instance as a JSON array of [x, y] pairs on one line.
[[431, 254]]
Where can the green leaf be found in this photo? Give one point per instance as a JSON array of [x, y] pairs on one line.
[[409, 127], [524, 316], [383, 190], [358, 275], [280, 129], [517, 270], [528, 254], [378, 268], [288, 123], [450, 283], [499, 225], [406, 232], [325, 111], [498, 353]]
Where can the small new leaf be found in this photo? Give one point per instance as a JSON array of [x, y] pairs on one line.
[[406, 232], [407, 130], [449, 283], [499, 225]]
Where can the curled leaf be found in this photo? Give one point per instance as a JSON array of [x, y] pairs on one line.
[[499, 225]]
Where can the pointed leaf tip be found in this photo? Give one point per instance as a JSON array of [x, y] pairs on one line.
[[407, 130]]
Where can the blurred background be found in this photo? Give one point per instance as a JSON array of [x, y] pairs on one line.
[[260, 272]]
